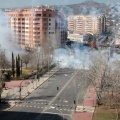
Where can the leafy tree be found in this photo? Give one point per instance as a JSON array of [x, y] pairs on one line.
[[21, 68], [13, 65], [18, 65]]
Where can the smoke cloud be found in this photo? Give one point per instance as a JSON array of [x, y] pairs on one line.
[[7, 40]]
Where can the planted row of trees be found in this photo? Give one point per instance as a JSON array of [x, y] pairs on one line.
[[16, 66], [104, 75]]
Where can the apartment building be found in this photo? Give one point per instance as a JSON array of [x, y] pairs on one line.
[[86, 24], [81, 25], [33, 26]]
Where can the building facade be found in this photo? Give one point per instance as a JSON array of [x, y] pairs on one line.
[[33, 26], [86, 24]]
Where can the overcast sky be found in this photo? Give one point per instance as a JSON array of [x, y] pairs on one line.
[[24, 3]]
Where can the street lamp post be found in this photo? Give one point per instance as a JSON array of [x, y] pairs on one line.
[[20, 89]]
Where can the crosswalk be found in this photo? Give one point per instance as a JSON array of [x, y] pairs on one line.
[[43, 105]]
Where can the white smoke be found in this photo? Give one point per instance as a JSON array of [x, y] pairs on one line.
[[72, 58], [7, 42]]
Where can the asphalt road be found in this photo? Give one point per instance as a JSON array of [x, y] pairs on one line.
[[49, 103]]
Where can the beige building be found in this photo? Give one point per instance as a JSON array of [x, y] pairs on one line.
[[33, 26], [85, 24]]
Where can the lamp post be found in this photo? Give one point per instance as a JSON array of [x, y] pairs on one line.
[[38, 64], [20, 89]]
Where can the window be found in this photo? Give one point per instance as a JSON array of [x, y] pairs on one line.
[[49, 15], [36, 19], [38, 15], [44, 19], [36, 28], [44, 15], [44, 24], [49, 19], [49, 23]]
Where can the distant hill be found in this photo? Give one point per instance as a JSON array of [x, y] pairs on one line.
[[87, 7]]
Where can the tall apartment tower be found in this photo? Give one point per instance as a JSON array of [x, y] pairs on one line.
[[86, 24], [33, 26]]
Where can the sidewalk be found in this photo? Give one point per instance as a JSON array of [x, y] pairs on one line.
[[27, 86], [85, 111]]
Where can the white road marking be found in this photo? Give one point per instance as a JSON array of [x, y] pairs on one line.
[[61, 90], [52, 107]]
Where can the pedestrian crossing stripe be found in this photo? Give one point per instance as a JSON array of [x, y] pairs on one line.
[[44, 107]]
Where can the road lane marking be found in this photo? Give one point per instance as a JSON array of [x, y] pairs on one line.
[[72, 78]]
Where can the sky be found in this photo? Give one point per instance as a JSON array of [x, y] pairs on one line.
[[24, 3]]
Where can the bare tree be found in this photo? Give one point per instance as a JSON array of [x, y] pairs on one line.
[[26, 57], [96, 74]]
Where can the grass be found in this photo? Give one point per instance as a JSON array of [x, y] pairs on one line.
[[104, 113], [26, 71]]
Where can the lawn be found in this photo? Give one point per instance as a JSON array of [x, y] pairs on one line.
[[104, 113]]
